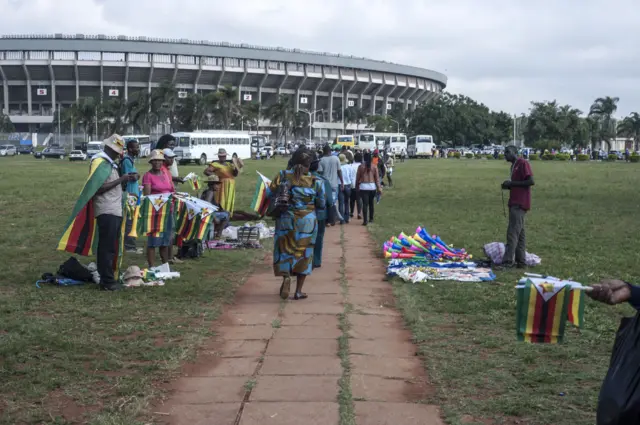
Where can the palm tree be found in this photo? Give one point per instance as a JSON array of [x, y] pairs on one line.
[[112, 113], [282, 112], [630, 127], [228, 104], [603, 109], [139, 111], [251, 113], [164, 101], [6, 126]]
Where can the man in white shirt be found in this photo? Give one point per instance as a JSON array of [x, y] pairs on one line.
[[355, 200], [344, 196], [329, 168]]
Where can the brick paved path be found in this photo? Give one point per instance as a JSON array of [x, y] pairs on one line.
[[279, 363]]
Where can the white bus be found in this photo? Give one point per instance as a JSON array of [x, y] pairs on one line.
[[144, 141], [203, 146], [392, 142], [420, 146]]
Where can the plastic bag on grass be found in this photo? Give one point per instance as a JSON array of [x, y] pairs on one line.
[[619, 400]]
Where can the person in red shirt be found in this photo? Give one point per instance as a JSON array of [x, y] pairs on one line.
[[519, 187]]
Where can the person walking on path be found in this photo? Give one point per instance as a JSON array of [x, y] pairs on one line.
[[329, 168], [128, 166], [368, 183], [297, 227], [355, 202], [344, 197], [389, 164], [321, 212], [227, 173], [519, 187]]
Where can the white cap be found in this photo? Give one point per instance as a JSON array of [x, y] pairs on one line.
[[168, 153]]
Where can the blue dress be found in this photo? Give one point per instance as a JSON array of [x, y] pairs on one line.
[[297, 228]]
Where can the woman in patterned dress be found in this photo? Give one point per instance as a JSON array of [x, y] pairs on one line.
[[297, 228], [227, 173]]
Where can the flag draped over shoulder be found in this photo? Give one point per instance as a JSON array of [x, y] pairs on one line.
[[80, 235], [261, 196], [541, 311]]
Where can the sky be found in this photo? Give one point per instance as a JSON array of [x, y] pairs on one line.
[[503, 53]]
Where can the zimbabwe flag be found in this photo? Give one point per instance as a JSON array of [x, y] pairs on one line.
[[576, 307], [261, 197], [541, 312], [155, 214], [80, 235]]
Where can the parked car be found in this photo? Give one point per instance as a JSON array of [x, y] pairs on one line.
[[77, 156], [25, 150], [54, 152], [37, 154], [281, 150], [7, 150], [619, 154]]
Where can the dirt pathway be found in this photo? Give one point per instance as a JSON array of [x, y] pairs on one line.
[[341, 357]]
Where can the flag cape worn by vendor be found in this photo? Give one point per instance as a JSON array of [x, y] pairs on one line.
[[80, 235], [541, 311]]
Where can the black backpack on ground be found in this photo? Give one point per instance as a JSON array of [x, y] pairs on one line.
[[191, 249]]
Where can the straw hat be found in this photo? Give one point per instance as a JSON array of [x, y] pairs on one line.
[[222, 151], [115, 143], [132, 272], [343, 158], [156, 155]]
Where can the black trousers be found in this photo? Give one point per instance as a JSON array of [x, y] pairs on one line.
[[108, 231], [355, 201], [368, 198]]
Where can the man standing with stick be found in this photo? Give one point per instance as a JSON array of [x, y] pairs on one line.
[[519, 187]]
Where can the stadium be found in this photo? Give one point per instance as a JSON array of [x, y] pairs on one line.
[[42, 73]]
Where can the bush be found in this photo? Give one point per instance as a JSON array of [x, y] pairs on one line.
[[501, 156], [478, 156], [534, 157], [489, 156], [468, 155], [612, 157], [548, 157], [583, 157], [563, 156], [456, 155], [634, 158], [450, 154]]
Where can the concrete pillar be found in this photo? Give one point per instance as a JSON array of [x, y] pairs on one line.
[[331, 97], [5, 92], [195, 83], [29, 100], [126, 77]]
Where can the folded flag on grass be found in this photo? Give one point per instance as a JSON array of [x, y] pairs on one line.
[[261, 196]]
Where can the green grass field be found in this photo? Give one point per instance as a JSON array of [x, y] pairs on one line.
[[98, 357], [583, 225], [84, 354]]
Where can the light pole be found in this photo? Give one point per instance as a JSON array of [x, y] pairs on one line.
[[397, 125], [241, 120], [59, 127], [515, 122], [311, 117]]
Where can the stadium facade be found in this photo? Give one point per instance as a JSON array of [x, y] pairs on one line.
[[41, 73]]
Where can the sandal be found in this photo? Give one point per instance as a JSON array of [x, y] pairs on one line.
[[285, 288], [300, 296]]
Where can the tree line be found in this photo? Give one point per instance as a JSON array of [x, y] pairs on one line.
[[452, 119]]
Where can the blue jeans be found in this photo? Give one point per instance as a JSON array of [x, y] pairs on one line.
[[344, 197], [317, 248]]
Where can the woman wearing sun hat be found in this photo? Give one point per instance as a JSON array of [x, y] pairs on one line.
[[156, 181], [227, 172]]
